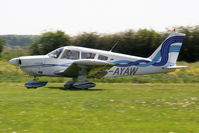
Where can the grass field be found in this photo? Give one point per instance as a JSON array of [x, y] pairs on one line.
[[107, 108]]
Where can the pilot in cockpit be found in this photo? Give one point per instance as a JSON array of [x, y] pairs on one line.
[[69, 54], [88, 55]]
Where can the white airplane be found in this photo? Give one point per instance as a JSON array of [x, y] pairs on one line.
[[81, 63]]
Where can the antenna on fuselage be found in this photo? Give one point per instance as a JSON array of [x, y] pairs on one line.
[[114, 46]]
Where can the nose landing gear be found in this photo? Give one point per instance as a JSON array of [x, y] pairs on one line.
[[35, 84]]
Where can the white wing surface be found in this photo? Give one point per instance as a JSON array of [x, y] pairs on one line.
[[91, 67]]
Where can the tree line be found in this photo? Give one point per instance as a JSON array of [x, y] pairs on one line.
[[139, 43], [19, 40]]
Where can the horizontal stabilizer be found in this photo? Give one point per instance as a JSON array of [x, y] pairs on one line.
[[175, 67]]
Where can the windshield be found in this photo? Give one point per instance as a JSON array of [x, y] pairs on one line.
[[55, 53]]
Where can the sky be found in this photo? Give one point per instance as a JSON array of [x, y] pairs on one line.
[[102, 16]]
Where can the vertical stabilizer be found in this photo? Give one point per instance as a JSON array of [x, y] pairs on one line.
[[167, 53]]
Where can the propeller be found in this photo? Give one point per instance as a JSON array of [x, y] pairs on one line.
[[17, 66]]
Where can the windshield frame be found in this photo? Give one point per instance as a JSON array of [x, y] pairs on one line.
[[59, 50]]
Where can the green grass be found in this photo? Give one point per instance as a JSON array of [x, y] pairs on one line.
[[107, 108]]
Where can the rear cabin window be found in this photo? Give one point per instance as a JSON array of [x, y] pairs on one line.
[[70, 54], [88, 55], [102, 57]]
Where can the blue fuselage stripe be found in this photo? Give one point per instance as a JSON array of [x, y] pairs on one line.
[[46, 65]]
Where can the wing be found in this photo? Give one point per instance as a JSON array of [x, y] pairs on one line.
[[90, 67]]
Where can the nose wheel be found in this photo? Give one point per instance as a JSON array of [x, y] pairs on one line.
[[33, 84]]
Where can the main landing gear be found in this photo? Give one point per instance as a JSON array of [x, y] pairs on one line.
[[35, 84], [79, 85]]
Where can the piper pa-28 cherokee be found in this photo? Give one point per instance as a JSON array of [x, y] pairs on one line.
[[81, 63]]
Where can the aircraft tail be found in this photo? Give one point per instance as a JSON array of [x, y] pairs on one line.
[[167, 53]]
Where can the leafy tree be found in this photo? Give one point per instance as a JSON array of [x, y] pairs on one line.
[[86, 40], [147, 42], [190, 47], [19, 40], [50, 41], [34, 48]]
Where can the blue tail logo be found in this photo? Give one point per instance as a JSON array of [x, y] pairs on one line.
[[166, 48]]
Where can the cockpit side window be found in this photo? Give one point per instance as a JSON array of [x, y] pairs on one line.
[[102, 57], [70, 54], [88, 55], [55, 53]]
